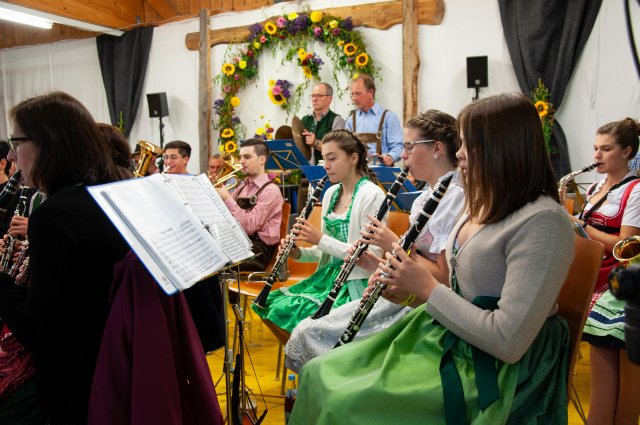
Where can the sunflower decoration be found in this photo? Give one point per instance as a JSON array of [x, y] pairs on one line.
[[280, 92], [234, 101], [350, 49], [230, 146], [310, 63], [362, 60], [270, 28], [227, 133], [307, 72], [228, 69], [541, 99]]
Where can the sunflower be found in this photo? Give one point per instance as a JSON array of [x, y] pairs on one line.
[[542, 107], [270, 28], [302, 54], [260, 131], [350, 49], [230, 146], [226, 133], [307, 72], [228, 68], [235, 101], [362, 60], [277, 99], [316, 16]]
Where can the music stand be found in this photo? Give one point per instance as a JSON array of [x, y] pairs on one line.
[[386, 176], [314, 174], [284, 155]]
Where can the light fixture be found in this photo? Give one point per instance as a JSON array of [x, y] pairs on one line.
[[26, 19]]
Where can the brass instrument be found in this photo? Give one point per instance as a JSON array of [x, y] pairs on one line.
[[627, 251], [562, 183], [227, 173], [148, 152]]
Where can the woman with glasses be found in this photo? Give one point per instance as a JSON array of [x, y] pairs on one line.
[[345, 207], [73, 248], [430, 144], [487, 348]]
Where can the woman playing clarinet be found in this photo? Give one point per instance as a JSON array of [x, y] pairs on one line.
[[345, 208], [488, 347]]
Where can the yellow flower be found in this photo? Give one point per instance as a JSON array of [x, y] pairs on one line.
[[542, 107], [270, 28], [228, 69], [291, 16], [234, 101], [350, 49], [242, 64], [271, 84], [340, 43], [302, 54], [277, 99], [256, 45], [260, 131], [333, 24], [230, 146], [355, 76], [362, 60], [221, 148], [307, 72], [316, 16], [226, 133]]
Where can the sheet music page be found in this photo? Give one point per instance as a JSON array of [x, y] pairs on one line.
[[167, 237], [203, 204]]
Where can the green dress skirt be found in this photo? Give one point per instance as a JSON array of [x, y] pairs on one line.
[[393, 377], [286, 307]]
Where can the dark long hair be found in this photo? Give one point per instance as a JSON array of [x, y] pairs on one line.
[[72, 150], [351, 143], [508, 164]]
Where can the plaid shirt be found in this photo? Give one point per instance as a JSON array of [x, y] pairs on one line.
[[265, 217]]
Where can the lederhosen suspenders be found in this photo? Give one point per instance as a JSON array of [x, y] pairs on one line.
[[371, 138], [248, 203]]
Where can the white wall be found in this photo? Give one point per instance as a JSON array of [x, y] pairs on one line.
[[604, 87]]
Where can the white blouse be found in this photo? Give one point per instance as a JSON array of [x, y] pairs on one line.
[[631, 214]]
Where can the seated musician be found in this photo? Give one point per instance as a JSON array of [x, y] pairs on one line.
[[344, 210], [488, 348], [176, 157], [256, 203], [430, 144]]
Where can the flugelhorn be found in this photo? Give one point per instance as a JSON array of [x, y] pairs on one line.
[[228, 173], [148, 152], [261, 299], [406, 242], [361, 247]]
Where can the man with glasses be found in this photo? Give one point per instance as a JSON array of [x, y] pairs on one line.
[[379, 127], [321, 121], [176, 157]]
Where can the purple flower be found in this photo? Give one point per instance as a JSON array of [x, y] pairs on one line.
[[347, 24], [299, 24], [235, 120], [317, 61], [286, 93], [317, 31], [254, 30]]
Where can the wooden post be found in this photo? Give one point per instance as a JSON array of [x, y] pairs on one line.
[[204, 101], [411, 58]]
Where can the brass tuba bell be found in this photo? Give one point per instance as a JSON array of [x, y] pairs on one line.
[[148, 152], [228, 173], [627, 251]]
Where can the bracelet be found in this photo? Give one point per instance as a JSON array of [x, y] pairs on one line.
[[411, 298]]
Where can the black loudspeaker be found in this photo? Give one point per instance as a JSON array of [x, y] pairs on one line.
[[477, 72], [158, 106]]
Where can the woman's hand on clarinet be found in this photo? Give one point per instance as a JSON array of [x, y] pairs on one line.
[[378, 234], [306, 232], [393, 293], [295, 251], [367, 260], [407, 273]]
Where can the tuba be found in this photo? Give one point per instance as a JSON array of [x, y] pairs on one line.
[[228, 173], [148, 152]]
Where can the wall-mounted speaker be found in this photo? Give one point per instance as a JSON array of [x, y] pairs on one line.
[[477, 72], [158, 106]]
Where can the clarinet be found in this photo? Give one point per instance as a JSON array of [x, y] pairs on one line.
[[261, 299], [8, 193], [361, 247], [367, 302], [20, 210], [23, 259]]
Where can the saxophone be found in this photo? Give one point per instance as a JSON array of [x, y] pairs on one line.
[[368, 301], [261, 299], [21, 210], [361, 247], [562, 193]]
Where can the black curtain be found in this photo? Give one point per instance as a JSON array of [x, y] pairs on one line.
[[545, 39], [123, 61]]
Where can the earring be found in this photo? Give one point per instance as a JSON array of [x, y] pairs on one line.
[[624, 156], [435, 156]]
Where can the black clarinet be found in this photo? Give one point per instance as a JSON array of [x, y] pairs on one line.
[[21, 210], [349, 265], [261, 299], [406, 242], [8, 193]]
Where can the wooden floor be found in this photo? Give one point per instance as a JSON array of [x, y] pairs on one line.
[[263, 351]]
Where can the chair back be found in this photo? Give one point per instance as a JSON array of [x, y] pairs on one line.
[[576, 292], [284, 226], [398, 222], [297, 270]]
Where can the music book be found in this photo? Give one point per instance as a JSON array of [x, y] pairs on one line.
[[177, 225]]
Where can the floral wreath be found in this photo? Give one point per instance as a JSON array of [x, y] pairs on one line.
[[345, 47]]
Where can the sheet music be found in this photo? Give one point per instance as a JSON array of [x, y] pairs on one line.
[[207, 205], [168, 238]]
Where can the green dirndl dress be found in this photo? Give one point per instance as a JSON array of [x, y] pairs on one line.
[[286, 307], [417, 372]]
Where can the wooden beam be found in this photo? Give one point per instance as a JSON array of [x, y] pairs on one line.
[[204, 92], [410, 58], [111, 14], [376, 15], [165, 9]]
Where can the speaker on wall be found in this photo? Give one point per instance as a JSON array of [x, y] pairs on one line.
[[158, 106], [477, 72]]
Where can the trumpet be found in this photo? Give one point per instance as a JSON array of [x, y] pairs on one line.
[[228, 174], [148, 152]]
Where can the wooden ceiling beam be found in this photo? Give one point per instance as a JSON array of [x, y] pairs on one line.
[[165, 9], [111, 14]]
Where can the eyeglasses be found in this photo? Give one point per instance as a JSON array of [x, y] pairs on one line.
[[13, 141], [172, 157], [316, 96], [408, 146]]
